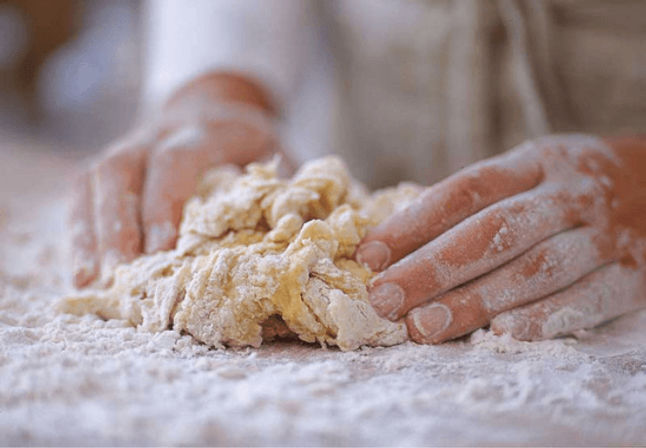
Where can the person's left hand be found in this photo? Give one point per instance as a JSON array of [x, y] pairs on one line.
[[130, 200], [541, 241]]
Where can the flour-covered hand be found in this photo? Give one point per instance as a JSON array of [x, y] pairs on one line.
[[541, 241], [130, 200]]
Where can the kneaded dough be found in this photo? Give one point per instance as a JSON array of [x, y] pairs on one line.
[[253, 249]]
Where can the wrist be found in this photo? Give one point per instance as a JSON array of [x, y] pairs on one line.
[[216, 97], [222, 87]]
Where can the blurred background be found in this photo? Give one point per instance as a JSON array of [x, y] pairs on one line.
[[69, 71], [401, 89]]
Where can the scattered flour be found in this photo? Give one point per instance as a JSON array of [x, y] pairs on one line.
[[82, 380], [506, 344]]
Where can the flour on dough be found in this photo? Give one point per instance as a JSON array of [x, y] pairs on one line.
[[254, 248]]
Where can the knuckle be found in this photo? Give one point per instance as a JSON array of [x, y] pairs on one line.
[[502, 227], [470, 188], [472, 185], [543, 262]]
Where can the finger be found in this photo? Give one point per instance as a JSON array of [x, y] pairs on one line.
[[474, 247], [549, 266], [117, 183], [607, 293], [447, 203], [85, 263], [177, 162]]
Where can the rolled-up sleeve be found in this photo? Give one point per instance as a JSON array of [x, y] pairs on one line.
[[266, 39]]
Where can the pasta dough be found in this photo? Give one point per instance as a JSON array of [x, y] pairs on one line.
[[256, 249]]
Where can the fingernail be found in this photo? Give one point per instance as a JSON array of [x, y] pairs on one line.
[[374, 254], [432, 319], [387, 299]]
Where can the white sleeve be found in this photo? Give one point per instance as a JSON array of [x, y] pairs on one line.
[[268, 39]]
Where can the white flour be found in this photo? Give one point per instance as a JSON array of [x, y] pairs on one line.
[[83, 381]]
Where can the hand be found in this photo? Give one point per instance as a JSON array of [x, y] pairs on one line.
[[131, 199], [541, 241]]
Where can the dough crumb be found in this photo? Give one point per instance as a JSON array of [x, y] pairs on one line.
[[260, 256]]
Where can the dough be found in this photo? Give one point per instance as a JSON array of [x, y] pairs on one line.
[[256, 249]]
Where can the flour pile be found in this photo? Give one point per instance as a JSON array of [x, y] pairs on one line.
[[255, 251]]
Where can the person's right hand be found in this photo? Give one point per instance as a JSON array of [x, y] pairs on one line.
[[130, 201], [544, 240]]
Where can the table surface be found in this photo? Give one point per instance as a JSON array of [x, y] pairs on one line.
[[84, 381]]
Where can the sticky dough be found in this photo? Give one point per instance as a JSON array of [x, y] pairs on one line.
[[254, 248]]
